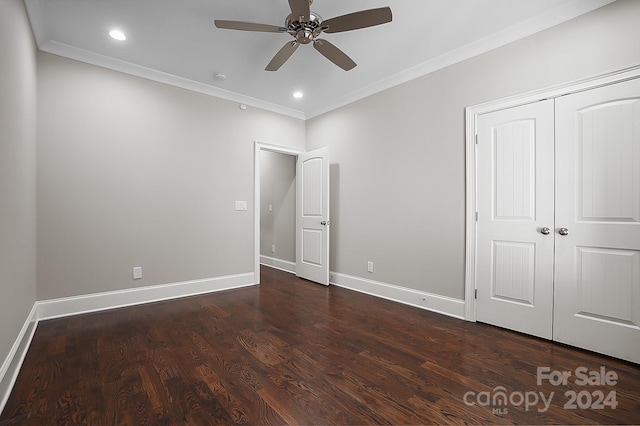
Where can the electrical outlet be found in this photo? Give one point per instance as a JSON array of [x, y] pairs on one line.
[[369, 266], [137, 272]]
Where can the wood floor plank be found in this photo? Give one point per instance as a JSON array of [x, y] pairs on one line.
[[294, 352]]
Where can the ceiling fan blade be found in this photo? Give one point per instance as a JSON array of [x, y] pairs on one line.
[[248, 26], [282, 56], [357, 20], [334, 54], [300, 8]]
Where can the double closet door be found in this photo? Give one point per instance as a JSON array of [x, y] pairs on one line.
[[558, 231]]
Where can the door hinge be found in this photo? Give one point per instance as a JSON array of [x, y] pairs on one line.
[[476, 216], [476, 139], [475, 293]]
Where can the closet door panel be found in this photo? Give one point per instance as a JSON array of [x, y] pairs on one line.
[[515, 207], [597, 278]]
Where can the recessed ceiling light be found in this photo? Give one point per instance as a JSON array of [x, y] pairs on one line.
[[117, 35], [297, 95]]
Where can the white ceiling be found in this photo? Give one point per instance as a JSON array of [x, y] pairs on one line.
[[174, 41]]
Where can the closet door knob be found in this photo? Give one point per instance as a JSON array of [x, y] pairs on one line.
[[563, 231], [545, 231]]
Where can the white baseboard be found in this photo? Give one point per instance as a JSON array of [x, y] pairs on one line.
[[55, 308], [283, 265], [11, 365], [420, 299]]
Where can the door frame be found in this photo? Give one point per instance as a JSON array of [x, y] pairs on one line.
[[259, 146], [471, 134]]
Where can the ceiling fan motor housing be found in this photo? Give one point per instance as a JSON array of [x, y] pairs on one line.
[[304, 32]]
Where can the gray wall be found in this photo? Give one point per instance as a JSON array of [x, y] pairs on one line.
[[278, 188], [137, 173], [17, 172], [399, 156]]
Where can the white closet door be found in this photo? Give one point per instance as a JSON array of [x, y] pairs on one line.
[[515, 186], [597, 285]]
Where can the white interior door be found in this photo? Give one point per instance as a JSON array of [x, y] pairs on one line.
[[597, 287], [312, 216], [515, 182]]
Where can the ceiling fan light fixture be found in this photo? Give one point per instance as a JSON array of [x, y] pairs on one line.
[[117, 35]]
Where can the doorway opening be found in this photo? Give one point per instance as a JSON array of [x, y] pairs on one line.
[[274, 207], [312, 211], [278, 210]]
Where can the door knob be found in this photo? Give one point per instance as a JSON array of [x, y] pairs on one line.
[[545, 231], [563, 231], [324, 223]]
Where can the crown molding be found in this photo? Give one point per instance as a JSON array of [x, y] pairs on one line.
[[524, 29], [103, 61], [46, 44]]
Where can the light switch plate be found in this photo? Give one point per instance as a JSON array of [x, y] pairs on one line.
[[137, 273], [241, 205]]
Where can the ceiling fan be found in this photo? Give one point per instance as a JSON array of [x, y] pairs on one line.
[[306, 26]]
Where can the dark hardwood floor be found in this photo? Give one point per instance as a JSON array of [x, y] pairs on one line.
[[293, 352]]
